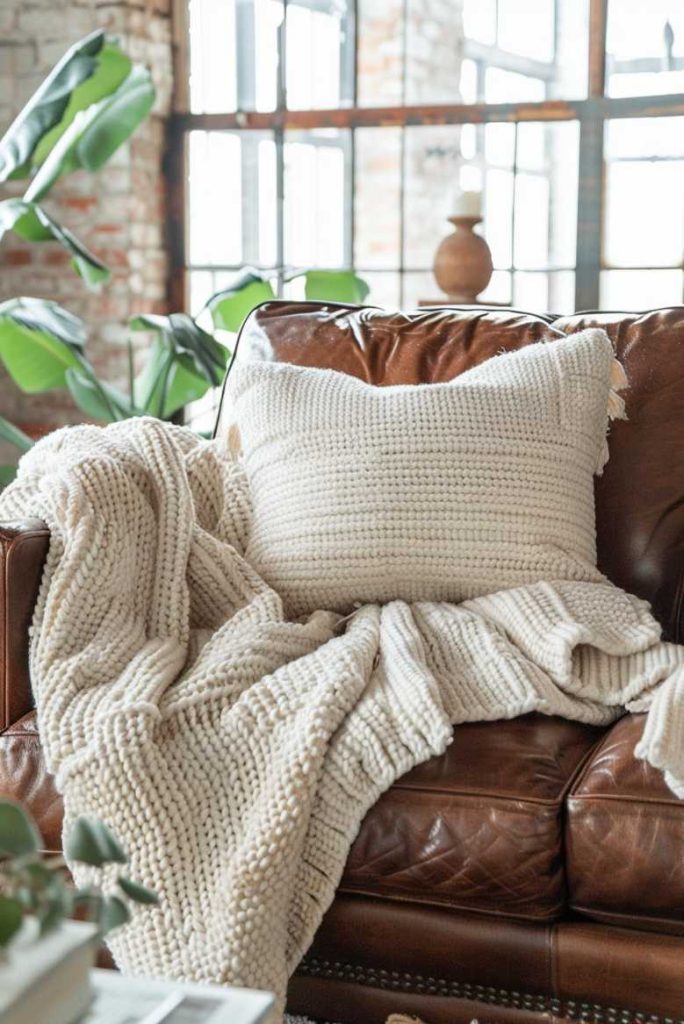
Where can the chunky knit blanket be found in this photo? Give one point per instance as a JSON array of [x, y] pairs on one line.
[[235, 752]]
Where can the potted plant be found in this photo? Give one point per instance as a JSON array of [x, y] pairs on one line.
[[45, 956], [90, 104]]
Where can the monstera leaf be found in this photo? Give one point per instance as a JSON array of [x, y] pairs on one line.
[[39, 342], [184, 363], [47, 106], [231, 306], [96, 133], [32, 223]]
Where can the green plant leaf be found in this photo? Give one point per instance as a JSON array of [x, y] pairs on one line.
[[39, 341], [230, 307], [335, 286], [18, 833], [90, 842], [97, 132], [184, 384], [32, 223], [195, 358], [137, 892], [111, 68], [15, 436], [58, 907], [97, 398], [7, 474], [113, 913], [47, 106], [11, 916]]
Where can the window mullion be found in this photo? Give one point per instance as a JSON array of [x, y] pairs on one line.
[[598, 23], [589, 212]]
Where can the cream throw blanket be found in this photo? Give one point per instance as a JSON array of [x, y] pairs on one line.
[[234, 752]]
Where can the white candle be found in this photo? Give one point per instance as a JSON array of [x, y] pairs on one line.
[[466, 204]]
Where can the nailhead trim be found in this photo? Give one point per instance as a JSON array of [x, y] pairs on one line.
[[398, 981]]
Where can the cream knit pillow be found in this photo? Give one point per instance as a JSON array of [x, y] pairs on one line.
[[436, 492]]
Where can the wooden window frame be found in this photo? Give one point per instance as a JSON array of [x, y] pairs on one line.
[[592, 114]]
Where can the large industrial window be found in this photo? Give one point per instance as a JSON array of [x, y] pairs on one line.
[[331, 133]]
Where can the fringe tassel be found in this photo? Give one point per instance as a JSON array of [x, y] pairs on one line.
[[618, 377], [234, 441], [615, 408]]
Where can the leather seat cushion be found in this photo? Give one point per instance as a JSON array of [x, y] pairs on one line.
[[625, 838], [479, 828], [25, 778]]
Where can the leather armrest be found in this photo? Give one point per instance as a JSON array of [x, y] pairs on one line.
[[23, 549]]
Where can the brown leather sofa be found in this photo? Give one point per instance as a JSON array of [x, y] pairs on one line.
[[535, 872]]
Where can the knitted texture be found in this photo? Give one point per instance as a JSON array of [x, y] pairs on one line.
[[427, 492], [234, 751]]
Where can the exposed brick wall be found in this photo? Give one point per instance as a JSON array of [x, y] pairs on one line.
[[118, 213]]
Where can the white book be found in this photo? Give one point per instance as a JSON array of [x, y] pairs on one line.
[[48, 981], [121, 999]]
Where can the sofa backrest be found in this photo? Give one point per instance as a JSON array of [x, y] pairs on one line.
[[639, 498]]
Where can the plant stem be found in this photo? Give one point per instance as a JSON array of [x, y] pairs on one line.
[[93, 378], [168, 363], [131, 373]]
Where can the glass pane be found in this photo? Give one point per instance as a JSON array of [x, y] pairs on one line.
[[267, 255], [499, 146], [561, 292], [644, 136], [645, 47], [527, 27], [570, 68], [648, 231], [316, 193], [213, 82], [258, 54], [498, 290], [419, 286], [200, 289], [432, 159], [234, 54], [531, 292], [641, 289], [479, 20], [433, 39], [532, 228], [319, 53], [384, 289], [380, 53], [468, 82], [508, 86], [215, 199], [377, 197], [546, 195], [498, 221]]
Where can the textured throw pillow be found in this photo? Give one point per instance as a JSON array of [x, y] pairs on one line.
[[436, 492]]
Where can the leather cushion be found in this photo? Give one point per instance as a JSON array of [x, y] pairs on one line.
[[480, 827], [25, 778], [625, 838], [502, 971], [639, 506]]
